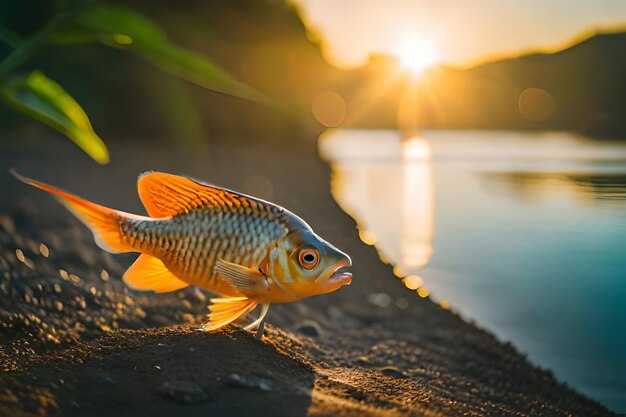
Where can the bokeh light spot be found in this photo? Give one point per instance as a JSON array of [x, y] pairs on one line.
[[423, 292], [536, 104], [412, 282], [369, 238], [379, 299], [329, 108], [397, 271]]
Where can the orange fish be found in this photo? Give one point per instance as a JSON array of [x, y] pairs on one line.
[[248, 250]]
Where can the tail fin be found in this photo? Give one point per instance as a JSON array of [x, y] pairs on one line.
[[102, 221], [226, 310]]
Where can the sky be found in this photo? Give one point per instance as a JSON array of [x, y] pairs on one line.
[[462, 31]]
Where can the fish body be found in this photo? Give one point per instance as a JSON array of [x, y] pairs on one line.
[[248, 250]]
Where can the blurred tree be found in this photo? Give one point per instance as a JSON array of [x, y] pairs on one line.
[[83, 22]]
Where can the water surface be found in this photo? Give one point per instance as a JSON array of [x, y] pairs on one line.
[[523, 232]]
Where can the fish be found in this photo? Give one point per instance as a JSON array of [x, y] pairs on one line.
[[248, 251]]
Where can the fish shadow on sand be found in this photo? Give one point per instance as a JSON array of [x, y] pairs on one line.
[[167, 371]]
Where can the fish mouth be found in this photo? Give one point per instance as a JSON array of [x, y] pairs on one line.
[[339, 276]]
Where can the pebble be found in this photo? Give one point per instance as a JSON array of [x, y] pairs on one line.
[[249, 382], [7, 224], [309, 328], [104, 275], [43, 249], [185, 392], [103, 381], [199, 295], [392, 371], [363, 361]]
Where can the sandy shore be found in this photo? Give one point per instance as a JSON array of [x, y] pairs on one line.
[[79, 343]]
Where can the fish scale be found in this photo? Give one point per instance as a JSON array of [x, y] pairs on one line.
[[233, 236], [234, 233]]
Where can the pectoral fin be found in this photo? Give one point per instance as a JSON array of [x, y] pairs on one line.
[[244, 279]]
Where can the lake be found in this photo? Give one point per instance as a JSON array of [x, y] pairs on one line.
[[524, 233]]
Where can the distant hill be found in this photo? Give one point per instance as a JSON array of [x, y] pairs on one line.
[[581, 88]]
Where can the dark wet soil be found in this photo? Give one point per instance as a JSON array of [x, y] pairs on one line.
[[76, 341]]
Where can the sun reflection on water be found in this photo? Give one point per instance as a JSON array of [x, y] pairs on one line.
[[387, 200]]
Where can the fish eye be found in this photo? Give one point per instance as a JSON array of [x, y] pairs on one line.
[[309, 258]]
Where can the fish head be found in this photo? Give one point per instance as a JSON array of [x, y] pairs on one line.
[[303, 264]]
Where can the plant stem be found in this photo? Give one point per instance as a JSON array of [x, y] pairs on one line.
[[26, 48]]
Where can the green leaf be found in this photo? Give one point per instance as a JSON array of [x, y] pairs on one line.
[[45, 100], [122, 28]]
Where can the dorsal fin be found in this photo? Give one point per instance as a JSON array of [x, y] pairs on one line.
[[165, 195]]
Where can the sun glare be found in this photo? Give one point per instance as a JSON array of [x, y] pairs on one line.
[[415, 53]]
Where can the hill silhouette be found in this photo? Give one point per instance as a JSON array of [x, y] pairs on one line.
[[578, 88]]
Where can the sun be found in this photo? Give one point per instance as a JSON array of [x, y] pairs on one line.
[[415, 52]]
